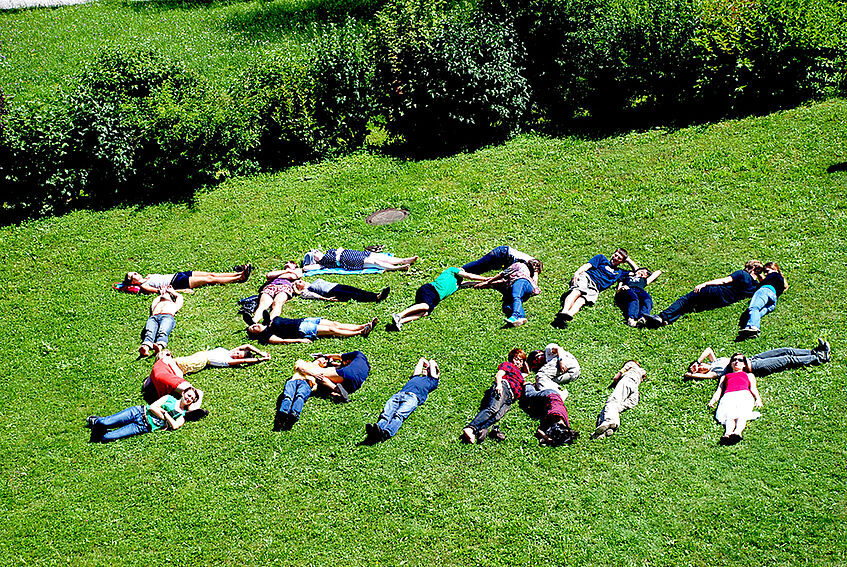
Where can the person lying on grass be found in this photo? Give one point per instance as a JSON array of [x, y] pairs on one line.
[[519, 282], [161, 322], [277, 290], [167, 379], [507, 388], [588, 281], [553, 367], [712, 295], [337, 375], [401, 405], [632, 297], [153, 283], [286, 331], [165, 413], [354, 260], [762, 364], [736, 396], [430, 295], [624, 396], [500, 258], [221, 358], [547, 405], [328, 291], [295, 393], [763, 301]]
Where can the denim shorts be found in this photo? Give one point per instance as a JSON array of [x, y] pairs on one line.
[[309, 327]]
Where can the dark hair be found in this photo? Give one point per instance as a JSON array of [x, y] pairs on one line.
[[532, 357], [559, 434], [754, 265], [692, 363], [772, 266], [625, 253], [747, 367], [196, 415], [127, 280]]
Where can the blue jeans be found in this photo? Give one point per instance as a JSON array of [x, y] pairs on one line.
[[497, 259], [492, 410], [126, 423], [634, 302], [763, 302], [396, 410], [158, 329], [521, 291], [294, 396], [785, 358]]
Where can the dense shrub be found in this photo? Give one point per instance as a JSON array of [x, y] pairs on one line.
[[454, 77]]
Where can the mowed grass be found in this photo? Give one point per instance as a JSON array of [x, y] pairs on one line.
[[695, 203], [40, 50]]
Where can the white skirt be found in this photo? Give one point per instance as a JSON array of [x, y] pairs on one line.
[[736, 405]]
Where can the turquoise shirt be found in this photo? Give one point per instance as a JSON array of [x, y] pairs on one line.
[[171, 406], [447, 283]]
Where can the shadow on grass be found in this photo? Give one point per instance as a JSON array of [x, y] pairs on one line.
[[266, 20], [836, 167]]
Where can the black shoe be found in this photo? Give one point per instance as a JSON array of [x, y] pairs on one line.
[[292, 421], [91, 422], [733, 439], [266, 318], [724, 440], [280, 420], [560, 321], [383, 294], [653, 321], [824, 349], [248, 319], [498, 435], [385, 435]]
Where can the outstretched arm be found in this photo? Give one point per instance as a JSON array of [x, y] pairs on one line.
[[754, 390], [718, 392], [707, 353], [275, 340], [470, 276], [653, 276], [719, 281]]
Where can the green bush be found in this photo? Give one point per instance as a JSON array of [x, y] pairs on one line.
[[453, 76]]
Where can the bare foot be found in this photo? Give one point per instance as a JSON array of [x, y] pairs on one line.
[[144, 350]]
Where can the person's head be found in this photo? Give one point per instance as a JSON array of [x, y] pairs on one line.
[[632, 365], [164, 353], [190, 395], [536, 359], [535, 266], [256, 329], [618, 257], [132, 278], [300, 286], [557, 435], [291, 265], [738, 363], [642, 273], [772, 267], [753, 267], [698, 367], [517, 356], [313, 256]]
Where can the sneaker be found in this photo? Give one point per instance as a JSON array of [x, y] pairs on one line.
[[279, 421], [631, 322], [641, 323], [397, 322], [653, 321], [292, 419], [601, 430], [498, 435], [733, 439], [515, 321], [383, 294], [824, 349], [560, 321], [91, 422], [468, 435]]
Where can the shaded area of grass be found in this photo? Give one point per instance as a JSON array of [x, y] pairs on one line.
[[695, 202]]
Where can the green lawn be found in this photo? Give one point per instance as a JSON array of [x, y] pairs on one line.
[[695, 203]]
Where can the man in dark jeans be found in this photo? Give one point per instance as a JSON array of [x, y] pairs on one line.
[[708, 366]]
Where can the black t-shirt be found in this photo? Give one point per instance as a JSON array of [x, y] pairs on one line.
[[283, 328], [775, 280], [631, 280]]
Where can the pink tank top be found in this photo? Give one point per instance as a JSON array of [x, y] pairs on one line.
[[737, 382]]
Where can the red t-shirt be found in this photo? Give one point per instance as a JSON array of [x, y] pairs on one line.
[[737, 382], [164, 379]]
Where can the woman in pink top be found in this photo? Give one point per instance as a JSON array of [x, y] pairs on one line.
[[736, 397]]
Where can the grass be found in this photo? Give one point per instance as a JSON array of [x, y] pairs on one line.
[[695, 203]]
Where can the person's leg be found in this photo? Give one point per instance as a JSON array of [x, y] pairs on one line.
[[343, 292], [167, 323], [126, 423], [762, 303], [414, 312], [408, 403], [685, 304], [328, 328], [494, 260], [627, 301], [288, 395], [277, 303], [520, 289], [492, 410], [569, 300], [387, 262], [740, 424], [785, 358], [389, 410], [302, 391], [199, 279], [265, 301], [148, 335], [645, 303]]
